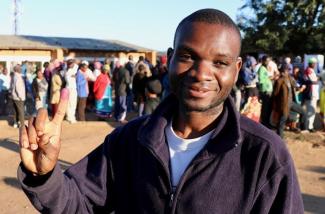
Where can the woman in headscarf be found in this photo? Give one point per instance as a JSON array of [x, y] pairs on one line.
[[103, 93]]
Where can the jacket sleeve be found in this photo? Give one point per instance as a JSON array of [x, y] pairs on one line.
[[85, 187], [280, 194]]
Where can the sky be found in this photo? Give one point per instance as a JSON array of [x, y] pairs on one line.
[[147, 23]]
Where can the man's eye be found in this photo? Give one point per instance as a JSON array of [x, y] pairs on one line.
[[220, 63], [185, 57]]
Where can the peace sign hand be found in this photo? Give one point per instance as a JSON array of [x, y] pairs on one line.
[[40, 142]]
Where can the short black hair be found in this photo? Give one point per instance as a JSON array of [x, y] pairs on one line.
[[210, 16]]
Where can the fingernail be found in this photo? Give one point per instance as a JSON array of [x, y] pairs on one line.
[[25, 145], [65, 94], [33, 146]]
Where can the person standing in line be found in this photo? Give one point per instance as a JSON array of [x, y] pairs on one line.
[[153, 89], [40, 88], [284, 101], [4, 90], [103, 94], [311, 93], [194, 154], [265, 91], [71, 85], [130, 96], [138, 87], [121, 80], [83, 91], [57, 83], [18, 93]]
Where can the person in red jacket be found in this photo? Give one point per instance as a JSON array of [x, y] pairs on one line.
[[103, 93]]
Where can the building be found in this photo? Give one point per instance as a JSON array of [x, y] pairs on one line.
[[37, 50]]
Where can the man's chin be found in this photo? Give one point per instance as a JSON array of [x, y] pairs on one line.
[[198, 107]]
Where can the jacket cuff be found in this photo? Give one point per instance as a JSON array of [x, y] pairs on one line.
[[42, 183]]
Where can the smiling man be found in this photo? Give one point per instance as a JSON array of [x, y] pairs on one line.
[[194, 154]]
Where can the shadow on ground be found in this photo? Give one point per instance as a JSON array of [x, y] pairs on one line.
[[314, 203], [12, 145], [318, 169], [11, 181]]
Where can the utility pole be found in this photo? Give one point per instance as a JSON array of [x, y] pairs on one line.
[[16, 14]]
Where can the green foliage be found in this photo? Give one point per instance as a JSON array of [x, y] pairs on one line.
[[283, 26]]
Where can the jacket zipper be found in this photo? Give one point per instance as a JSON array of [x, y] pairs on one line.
[[171, 193]]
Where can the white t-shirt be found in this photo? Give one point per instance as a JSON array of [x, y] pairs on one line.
[[182, 151]]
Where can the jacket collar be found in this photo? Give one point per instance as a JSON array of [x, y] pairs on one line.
[[226, 135]]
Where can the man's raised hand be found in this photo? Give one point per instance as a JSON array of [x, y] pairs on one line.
[[40, 141]]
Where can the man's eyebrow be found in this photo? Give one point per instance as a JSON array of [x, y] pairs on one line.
[[217, 54], [185, 48]]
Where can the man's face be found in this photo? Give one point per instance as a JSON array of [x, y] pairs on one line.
[[204, 65], [17, 68]]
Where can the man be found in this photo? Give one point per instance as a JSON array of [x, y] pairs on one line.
[[130, 96], [194, 154], [265, 91], [284, 101], [82, 90], [311, 93], [18, 93], [121, 80], [4, 90], [71, 84]]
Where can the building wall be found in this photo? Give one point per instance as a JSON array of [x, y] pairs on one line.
[[102, 55], [10, 58]]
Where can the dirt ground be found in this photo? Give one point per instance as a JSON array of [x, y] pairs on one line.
[[308, 152]]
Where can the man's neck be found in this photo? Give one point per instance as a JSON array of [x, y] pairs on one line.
[[195, 124]]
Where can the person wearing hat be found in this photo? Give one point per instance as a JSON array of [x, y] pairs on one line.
[[311, 93], [103, 93], [153, 89]]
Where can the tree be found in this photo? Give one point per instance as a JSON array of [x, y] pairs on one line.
[[283, 26]]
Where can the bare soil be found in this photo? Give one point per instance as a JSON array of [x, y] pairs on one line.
[[307, 150]]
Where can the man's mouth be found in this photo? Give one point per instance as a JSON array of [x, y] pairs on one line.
[[198, 91]]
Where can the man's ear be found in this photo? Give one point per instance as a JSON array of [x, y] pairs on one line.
[[239, 63], [170, 52]]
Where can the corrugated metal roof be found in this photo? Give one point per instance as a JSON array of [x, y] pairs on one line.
[[41, 43]]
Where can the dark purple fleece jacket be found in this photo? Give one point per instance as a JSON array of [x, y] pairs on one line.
[[244, 168]]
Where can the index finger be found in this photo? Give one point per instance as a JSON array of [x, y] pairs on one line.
[[62, 107]]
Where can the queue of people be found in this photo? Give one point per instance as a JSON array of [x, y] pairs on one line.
[[108, 89], [288, 94]]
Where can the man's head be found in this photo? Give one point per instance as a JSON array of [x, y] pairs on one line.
[[39, 73], [70, 63], [5, 71], [83, 67], [17, 68], [204, 64], [265, 60], [312, 62], [284, 70]]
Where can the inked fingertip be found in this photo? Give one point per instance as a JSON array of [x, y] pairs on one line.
[[33, 146]]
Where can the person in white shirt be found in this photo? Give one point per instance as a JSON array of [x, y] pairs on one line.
[[71, 85], [18, 93], [4, 90]]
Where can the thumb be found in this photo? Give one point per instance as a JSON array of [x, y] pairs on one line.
[[62, 108]]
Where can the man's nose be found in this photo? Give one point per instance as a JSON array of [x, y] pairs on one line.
[[201, 70]]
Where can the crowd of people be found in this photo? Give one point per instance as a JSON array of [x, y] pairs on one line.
[[109, 89], [281, 95]]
